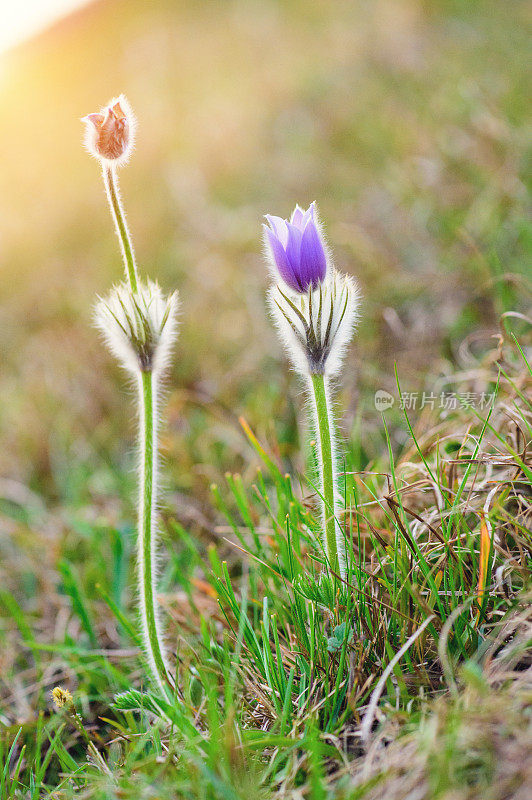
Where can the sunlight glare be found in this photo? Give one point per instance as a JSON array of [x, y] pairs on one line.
[[20, 21]]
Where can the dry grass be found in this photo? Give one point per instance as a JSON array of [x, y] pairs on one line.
[[474, 743]]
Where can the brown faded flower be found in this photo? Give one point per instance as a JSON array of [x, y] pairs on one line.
[[109, 134]]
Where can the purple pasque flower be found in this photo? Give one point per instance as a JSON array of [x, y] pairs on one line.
[[297, 248]]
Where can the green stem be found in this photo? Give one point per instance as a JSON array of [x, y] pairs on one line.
[[334, 545], [113, 195], [147, 529]]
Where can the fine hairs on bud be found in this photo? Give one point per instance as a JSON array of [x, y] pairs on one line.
[[139, 327], [316, 327], [110, 133]]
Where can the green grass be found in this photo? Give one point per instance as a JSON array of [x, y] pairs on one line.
[[407, 123], [277, 664]]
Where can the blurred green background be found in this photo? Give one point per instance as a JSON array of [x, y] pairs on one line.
[[406, 121]]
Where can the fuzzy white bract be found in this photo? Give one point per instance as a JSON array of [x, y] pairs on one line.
[[315, 327], [139, 327]]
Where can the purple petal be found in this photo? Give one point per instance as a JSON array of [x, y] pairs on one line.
[[297, 217], [278, 226], [308, 216], [312, 259], [293, 250], [281, 261]]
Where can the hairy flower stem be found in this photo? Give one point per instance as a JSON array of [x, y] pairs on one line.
[[147, 544], [113, 195], [334, 543]]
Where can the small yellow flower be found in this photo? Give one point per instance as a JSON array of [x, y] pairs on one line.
[[61, 697]]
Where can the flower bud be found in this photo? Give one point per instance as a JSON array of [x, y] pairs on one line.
[[109, 134], [297, 249], [139, 327]]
